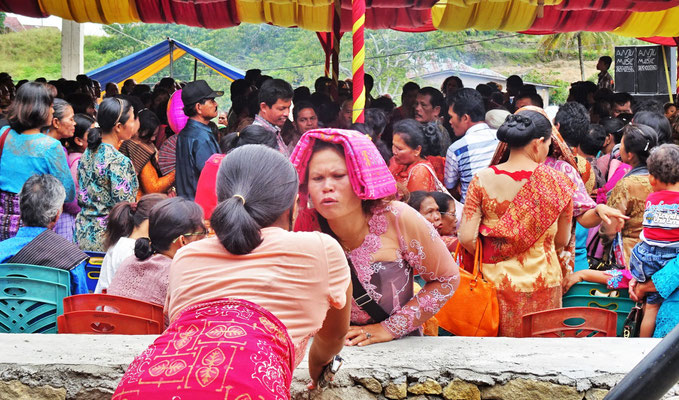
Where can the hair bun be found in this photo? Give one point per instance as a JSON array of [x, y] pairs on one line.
[[518, 122], [430, 129], [519, 129]]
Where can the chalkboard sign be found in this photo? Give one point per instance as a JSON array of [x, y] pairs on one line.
[[625, 69], [641, 69], [649, 59]]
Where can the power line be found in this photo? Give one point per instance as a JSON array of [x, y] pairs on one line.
[[125, 34], [400, 53]]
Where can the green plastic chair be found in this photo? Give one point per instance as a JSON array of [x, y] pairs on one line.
[[39, 272], [30, 305], [587, 294]]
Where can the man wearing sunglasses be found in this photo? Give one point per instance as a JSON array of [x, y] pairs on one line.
[[195, 143]]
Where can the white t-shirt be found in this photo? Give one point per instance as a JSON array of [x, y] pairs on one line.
[[112, 260]]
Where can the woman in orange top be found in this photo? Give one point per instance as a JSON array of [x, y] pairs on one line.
[[243, 304], [144, 156], [411, 146]]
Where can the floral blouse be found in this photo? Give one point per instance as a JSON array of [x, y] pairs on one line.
[[415, 176], [105, 177], [401, 243]]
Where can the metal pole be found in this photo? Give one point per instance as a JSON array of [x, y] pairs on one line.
[[195, 68], [654, 375], [171, 58]]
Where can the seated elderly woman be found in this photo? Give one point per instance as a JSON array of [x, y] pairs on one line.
[[385, 241], [243, 305], [41, 199], [426, 205]]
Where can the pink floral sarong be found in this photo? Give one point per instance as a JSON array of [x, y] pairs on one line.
[[218, 349]]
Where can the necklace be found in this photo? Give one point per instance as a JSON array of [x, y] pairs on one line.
[[357, 238]]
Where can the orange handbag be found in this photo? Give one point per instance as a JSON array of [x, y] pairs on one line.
[[473, 310]]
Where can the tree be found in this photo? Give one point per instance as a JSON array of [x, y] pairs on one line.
[[560, 44], [2, 22]]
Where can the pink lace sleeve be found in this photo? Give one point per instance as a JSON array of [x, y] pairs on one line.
[[582, 201], [426, 253]]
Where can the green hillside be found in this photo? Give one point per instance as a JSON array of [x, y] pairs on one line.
[[296, 55]]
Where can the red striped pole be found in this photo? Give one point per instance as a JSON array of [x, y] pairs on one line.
[[358, 59]]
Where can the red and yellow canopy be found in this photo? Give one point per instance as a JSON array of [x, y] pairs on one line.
[[638, 18]]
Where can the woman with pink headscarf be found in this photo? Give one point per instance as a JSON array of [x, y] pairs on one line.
[[348, 192]]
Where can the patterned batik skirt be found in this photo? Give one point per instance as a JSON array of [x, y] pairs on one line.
[[10, 215], [220, 349]]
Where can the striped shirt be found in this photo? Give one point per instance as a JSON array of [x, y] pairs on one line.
[[468, 155]]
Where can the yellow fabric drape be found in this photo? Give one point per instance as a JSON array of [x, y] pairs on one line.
[[307, 14], [645, 24], [154, 68], [98, 11], [506, 15]]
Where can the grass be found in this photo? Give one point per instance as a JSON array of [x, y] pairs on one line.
[[37, 53]]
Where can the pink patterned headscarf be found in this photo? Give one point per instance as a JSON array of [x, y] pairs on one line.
[[368, 173]]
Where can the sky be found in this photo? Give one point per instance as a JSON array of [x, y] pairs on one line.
[[90, 28]]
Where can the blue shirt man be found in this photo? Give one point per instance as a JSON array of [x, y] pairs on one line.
[[26, 234], [195, 143]]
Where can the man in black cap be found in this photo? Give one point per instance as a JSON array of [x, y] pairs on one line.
[[195, 143]]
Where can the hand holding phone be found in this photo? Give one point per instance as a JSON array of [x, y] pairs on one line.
[[329, 371]]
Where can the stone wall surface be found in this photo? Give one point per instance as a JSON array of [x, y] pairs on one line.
[[88, 367]]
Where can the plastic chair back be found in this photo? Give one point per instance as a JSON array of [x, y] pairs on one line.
[[570, 322], [100, 322], [93, 269], [30, 305], [115, 304], [39, 272], [587, 294]]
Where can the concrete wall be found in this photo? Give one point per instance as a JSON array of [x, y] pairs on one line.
[[84, 367]]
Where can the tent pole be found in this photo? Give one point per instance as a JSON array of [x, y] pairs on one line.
[[358, 59], [667, 73], [195, 69], [336, 37], [171, 58], [327, 54]]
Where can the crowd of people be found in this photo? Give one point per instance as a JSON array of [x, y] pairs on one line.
[[280, 219]]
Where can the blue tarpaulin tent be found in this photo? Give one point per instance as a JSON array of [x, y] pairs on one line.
[[145, 63]]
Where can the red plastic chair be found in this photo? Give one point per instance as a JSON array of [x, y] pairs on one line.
[[570, 322], [99, 322], [114, 304]]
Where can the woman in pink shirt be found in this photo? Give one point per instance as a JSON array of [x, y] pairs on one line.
[[173, 223], [242, 305]]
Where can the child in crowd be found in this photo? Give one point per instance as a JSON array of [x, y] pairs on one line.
[[659, 237]]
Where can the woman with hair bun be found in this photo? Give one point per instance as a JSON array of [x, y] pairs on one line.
[[521, 210], [413, 145], [126, 223], [105, 176], [75, 145], [172, 224], [255, 284], [630, 193]]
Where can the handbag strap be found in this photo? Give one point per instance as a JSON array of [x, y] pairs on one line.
[[478, 257], [363, 299]]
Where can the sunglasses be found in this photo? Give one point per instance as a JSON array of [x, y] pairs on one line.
[[200, 234]]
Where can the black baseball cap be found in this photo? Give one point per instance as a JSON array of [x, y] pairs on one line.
[[196, 91]]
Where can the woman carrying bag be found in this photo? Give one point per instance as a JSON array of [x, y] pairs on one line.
[[521, 210]]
